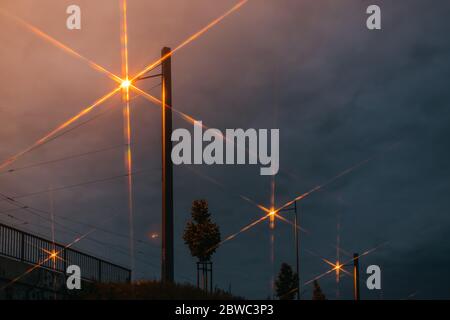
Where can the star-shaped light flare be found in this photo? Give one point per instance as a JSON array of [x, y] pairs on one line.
[[124, 82]]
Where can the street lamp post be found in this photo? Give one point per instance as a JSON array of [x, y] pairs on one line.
[[167, 267], [356, 276], [296, 227], [355, 265], [167, 254]]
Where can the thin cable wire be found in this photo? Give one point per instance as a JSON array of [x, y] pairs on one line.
[[35, 212], [79, 184], [120, 249], [22, 206], [81, 124], [74, 156]]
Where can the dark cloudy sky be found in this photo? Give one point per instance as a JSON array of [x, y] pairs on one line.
[[338, 92]]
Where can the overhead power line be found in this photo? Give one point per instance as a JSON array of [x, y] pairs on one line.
[[108, 245], [37, 212], [74, 156], [81, 124], [79, 184]]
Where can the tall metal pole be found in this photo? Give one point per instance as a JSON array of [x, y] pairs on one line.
[[167, 272], [297, 245], [296, 250], [356, 276]]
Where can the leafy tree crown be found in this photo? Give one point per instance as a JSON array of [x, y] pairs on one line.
[[201, 235]]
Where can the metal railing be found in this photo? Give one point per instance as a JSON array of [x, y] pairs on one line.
[[28, 248]]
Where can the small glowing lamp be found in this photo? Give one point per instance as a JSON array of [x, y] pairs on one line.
[[125, 84]]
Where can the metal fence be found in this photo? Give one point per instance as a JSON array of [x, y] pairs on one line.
[[35, 250]]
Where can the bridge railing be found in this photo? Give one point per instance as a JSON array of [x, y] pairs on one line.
[[35, 250]]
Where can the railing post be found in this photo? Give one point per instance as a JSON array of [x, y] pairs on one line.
[[22, 247], [65, 260]]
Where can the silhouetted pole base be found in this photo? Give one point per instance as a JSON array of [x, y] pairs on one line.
[[167, 268], [205, 276], [297, 248]]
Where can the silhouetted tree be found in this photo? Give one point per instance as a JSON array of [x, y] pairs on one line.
[[317, 292], [286, 283], [201, 234]]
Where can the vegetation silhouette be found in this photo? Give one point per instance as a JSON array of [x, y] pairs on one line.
[[201, 235], [286, 283], [317, 292]]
